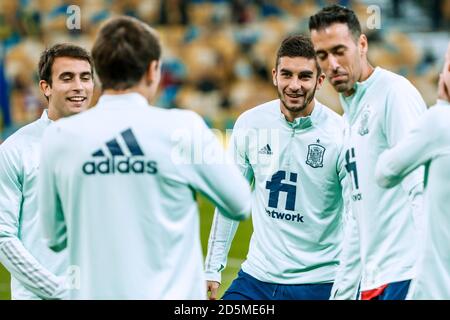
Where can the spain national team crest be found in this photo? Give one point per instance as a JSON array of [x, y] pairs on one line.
[[315, 155], [364, 124]]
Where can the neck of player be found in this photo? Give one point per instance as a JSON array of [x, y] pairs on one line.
[[292, 115], [145, 88], [366, 72]]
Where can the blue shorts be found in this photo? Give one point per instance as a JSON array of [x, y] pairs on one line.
[[245, 287], [390, 291]]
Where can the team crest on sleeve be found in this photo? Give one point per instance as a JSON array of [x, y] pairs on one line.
[[364, 124], [315, 155]]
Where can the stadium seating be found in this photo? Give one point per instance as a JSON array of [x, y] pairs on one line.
[[218, 56]]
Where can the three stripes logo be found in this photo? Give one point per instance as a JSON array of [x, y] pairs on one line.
[[266, 150], [120, 155]]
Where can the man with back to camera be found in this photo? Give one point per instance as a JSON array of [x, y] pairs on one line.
[[428, 143], [290, 150], [66, 79], [379, 108], [121, 195]]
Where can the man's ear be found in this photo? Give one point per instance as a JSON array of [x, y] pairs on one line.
[[443, 89], [274, 77], [152, 71], [320, 80], [363, 44], [45, 88]]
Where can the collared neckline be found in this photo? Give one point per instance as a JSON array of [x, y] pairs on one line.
[[304, 122], [441, 102], [350, 103], [368, 82], [131, 99], [44, 116]]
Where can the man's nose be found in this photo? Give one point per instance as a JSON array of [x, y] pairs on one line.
[[77, 84], [295, 84], [333, 63]]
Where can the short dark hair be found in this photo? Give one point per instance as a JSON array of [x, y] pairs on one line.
[[60, 50], [123, 50], [297, 46], [336, 14]]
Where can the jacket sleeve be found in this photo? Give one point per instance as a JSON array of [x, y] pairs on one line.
[[223, 229], [13, 254], [215, 175], [51, 212], [348, 275], [405, 107]]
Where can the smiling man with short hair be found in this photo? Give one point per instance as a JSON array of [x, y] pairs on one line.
[[290, 150], [65, 73]]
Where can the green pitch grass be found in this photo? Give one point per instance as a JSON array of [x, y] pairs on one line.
[[237, 254], [4, 284], [239, 247]]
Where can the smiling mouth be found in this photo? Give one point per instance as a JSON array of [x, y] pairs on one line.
[[294, 96], [77, 99]]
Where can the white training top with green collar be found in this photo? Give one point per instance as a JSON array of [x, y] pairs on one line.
[[427, 144], [378, 115], [119, 185], [296, 170], [36, 271]]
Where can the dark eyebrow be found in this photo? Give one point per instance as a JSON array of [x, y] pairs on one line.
[[71, 74], [65, 74], [336, 48], [306, 73], [285, 71], [333, 49]]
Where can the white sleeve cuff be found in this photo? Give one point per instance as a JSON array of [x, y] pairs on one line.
[[213, 276]]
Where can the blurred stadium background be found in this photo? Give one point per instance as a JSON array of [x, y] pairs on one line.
[[218, 57]]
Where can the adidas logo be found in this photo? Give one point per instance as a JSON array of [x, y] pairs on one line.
[[124, 156], [265, 150]]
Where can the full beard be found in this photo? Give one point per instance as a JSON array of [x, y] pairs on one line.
[[298, 108]]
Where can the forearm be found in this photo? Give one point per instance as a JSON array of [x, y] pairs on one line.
[[221, 236], [26, 269], [348, 274]]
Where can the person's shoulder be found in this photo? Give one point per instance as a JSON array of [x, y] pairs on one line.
[[75, 118], [78, 121], [177, 113], [28, 134], [329, 119], [439, 116], [393, 81], [434, 123], [389, 75], [69, 128], [398, 88], [266, 111], [267, 108], [176, 122], [332, 115], [181, 117], [331, 124]]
